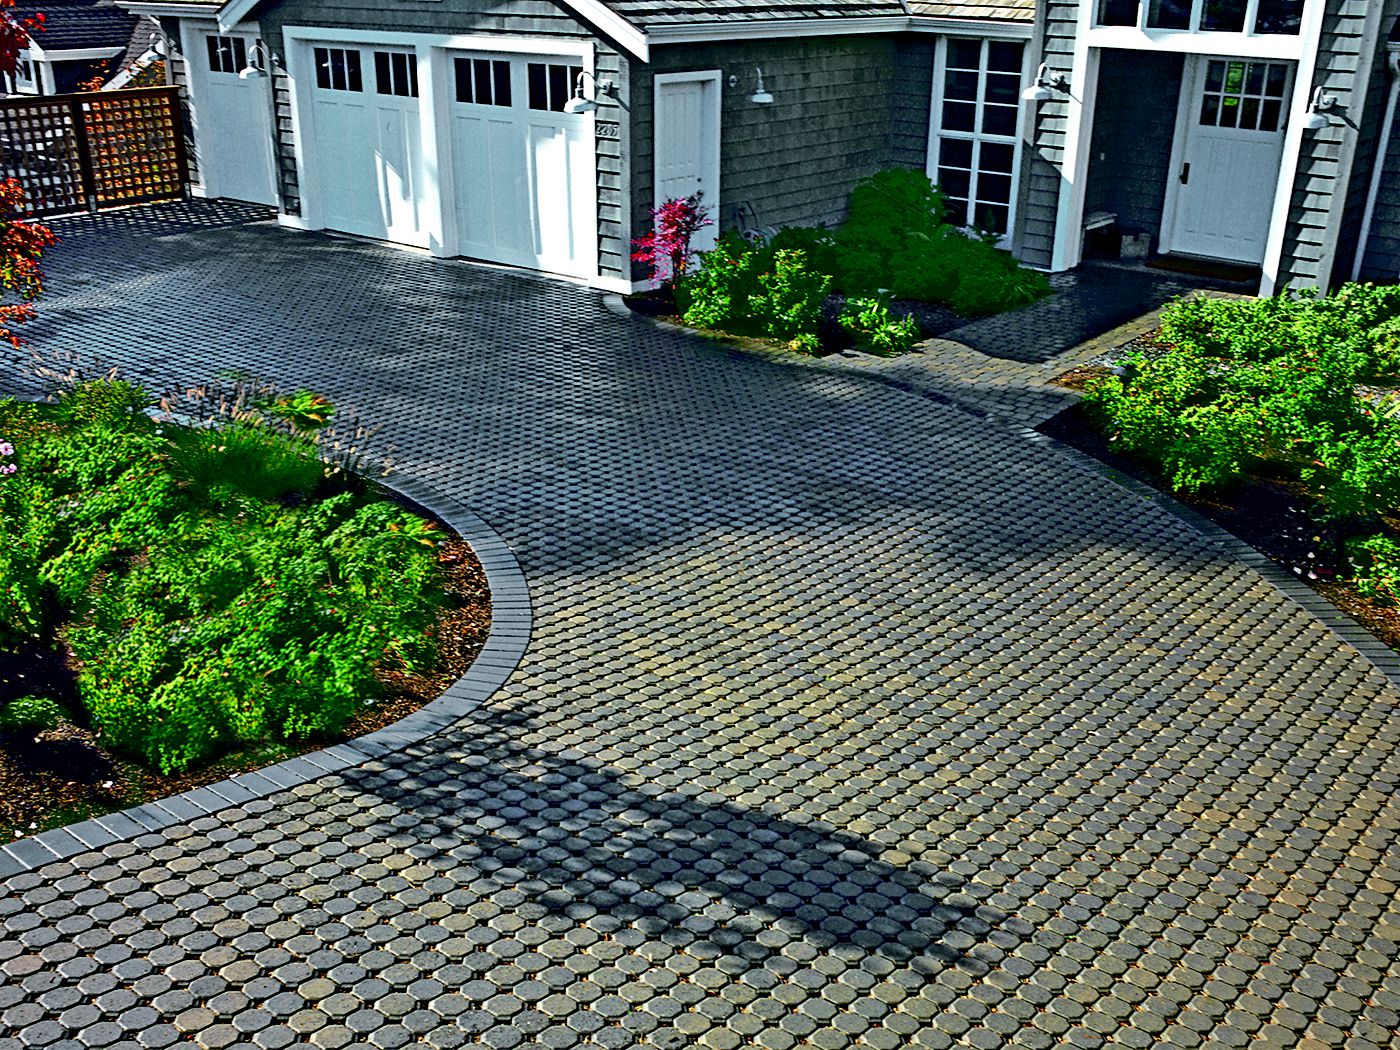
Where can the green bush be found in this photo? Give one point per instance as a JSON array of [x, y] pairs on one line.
[[108, 403], [790, 302], [1375, 562], [717, 291], [245, 458], [875, 331], [30, 714]]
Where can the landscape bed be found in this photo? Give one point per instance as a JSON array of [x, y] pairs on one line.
[[187, 597]]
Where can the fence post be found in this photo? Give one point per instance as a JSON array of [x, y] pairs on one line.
[[177, 127], [85, 167]]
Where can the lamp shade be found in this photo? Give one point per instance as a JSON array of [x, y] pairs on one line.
[[579, 104], [1037, 93]]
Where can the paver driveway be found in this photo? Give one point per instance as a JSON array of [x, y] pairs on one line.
[[849, 718]]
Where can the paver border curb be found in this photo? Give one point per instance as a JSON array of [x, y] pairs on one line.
[[511, 621], [1384, 659]]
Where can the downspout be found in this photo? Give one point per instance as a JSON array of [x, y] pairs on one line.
[[1382, 150]]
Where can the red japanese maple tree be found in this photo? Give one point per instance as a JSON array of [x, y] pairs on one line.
[[667, 247], [14, 34]]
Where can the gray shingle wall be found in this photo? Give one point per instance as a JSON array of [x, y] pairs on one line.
[[1368, 143], [507, 17], [286, 159], [913, 99], [1317, 207], [1035, 237], [1382, 258], [795, 161], [1132, 141]]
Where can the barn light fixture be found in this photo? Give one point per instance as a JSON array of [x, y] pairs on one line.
[[254, 71], [1043, 90], [579, 104], [761, 95], [1318, 108]]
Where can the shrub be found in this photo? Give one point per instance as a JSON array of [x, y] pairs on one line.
[[109, 402], [245, 458], [1375, 562], [875, 331], [30, 714], [667, 248], [807, 344], [303, 411], [717, 292], [790, 303]]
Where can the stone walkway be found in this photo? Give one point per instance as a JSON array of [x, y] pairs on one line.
[[850, 717]]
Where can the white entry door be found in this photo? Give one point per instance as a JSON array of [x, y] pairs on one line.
[[523, 169], [1229, 152], [687, 143], [233, 131], [365, 146]]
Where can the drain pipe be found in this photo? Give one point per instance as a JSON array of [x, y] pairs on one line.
[[1382, 155]]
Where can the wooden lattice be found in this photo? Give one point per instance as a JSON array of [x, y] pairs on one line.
[[95, 150]]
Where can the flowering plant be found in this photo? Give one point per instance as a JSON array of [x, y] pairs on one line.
[[666, 249], [6, 449]]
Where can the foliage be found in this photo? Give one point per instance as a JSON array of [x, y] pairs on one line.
[[718, 291], [875, 330], [1376, 564], [22, 245], [14, 34], [667, 248], [1227, 395], [790, 301], [29, 714], [805, 343], [304, 410], [203, 613]]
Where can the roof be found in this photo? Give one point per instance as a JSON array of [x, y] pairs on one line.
[[996, 10], [643, 13], [74, 25]]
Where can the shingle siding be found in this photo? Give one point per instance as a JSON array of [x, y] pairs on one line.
[[913, 100], [1044, 159], [1132, 139]]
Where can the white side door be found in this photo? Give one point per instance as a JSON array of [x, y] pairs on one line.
[[235, 149], [687, 144], [1229, 152]]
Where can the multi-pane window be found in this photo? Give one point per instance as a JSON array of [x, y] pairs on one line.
[[976, 158], [396, 73], [482, 81], [551, 84], [1244, 95], [227, 54], [1211, 16], [338, 69]]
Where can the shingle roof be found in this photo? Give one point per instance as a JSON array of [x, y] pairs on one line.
[[71, 25], [997, 10], [643, 13]]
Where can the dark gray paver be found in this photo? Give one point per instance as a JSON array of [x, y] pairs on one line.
[[849, 718]]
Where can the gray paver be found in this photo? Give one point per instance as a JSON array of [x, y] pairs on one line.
[[848, 715]]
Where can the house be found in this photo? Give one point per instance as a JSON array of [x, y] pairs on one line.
[[80, 40], [539, 133]]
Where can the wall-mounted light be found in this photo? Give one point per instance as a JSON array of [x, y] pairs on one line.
[[254, 71], [761, 95], [1318, 108], [580, 104], [1044, 89]]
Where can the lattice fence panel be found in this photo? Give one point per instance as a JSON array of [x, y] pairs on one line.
[[39, 146], [136, 146]]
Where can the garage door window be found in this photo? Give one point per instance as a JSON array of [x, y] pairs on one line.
[[338, 69], [396, 73], [551, 85], [227, 54], [482, 81]]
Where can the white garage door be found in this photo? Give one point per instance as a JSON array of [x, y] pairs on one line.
[[232, 119], [523, 169], [366, 139]]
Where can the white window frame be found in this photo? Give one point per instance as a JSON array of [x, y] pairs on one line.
[[1196, 41], [976, 136]]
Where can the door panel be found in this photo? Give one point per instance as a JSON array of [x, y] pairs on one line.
[[235, 152], [687, 147], [1230, 159]]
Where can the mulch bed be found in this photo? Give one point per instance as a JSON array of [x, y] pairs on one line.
[[1273, 515], [63, 775]]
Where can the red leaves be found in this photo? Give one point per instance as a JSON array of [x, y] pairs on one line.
[[22, 245], [14, 35], [673, 225]]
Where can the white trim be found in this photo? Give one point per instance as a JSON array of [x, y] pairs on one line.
[[183, 10], [563, 47], [1181, 41], [294, 222], [1084, 78], [1184, 107], [1310, 36], [714, 189], [74, 55], [593, 12], [769, 28], [1373, 191]]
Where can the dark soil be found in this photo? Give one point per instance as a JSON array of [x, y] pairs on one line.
[[1274, 515], [62, 775]]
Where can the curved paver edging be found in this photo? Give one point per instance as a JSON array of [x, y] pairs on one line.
[[1385, 659], [505, 645]]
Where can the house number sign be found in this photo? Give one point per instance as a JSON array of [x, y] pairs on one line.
[[607, 129]]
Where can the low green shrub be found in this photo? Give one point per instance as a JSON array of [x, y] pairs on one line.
[[875, 331], [1375, 563], [244, 457], [30, 714], [716, 293], [790, 301]]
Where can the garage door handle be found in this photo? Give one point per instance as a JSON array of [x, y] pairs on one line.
[[1185, 173]]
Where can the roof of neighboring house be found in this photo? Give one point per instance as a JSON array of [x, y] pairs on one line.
[[999, 10], [644, 13], [74, 25]]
